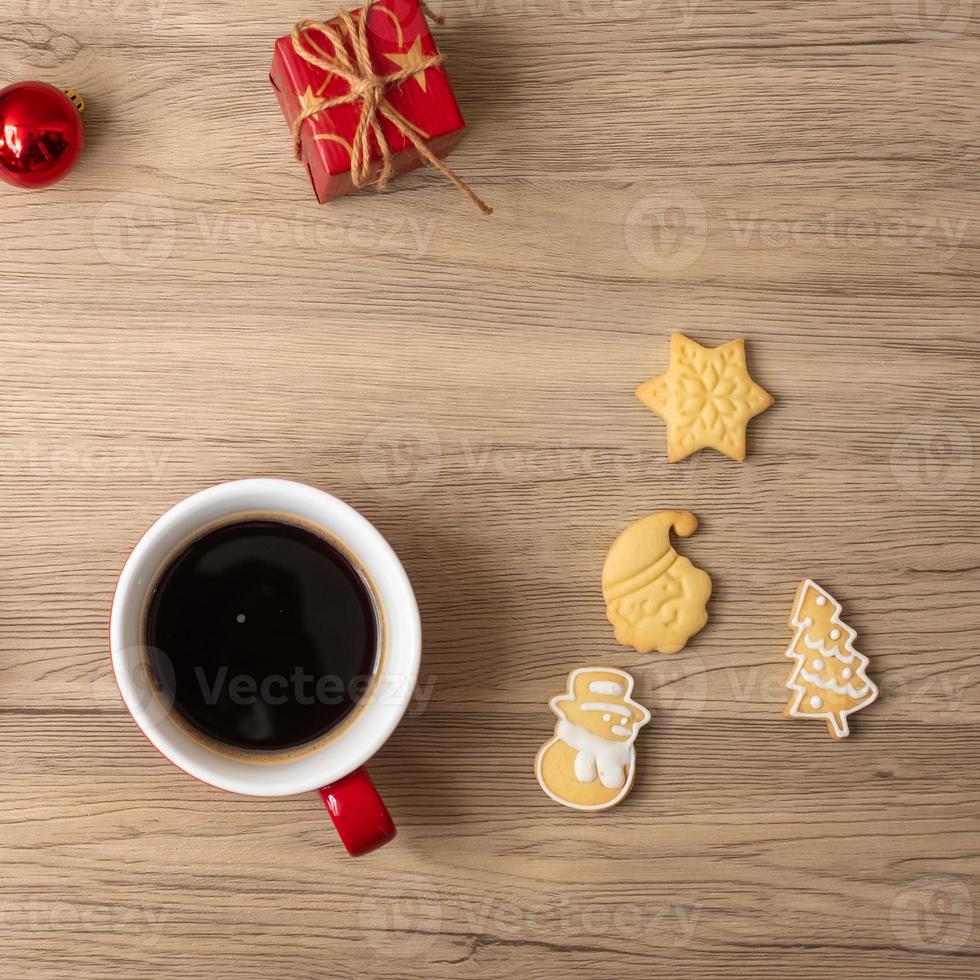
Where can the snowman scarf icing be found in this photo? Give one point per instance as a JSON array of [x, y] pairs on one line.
[[611, 760]]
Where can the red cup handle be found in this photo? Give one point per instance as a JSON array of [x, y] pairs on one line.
[[358, 812]]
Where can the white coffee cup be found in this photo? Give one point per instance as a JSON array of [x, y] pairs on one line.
[[333, 767]]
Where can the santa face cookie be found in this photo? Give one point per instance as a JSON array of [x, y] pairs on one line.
[[590, 762], [829, 679], [655, 599]]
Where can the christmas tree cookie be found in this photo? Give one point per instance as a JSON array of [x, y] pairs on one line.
[[590, 762], [655, 598], [706, 398], [829, 679]]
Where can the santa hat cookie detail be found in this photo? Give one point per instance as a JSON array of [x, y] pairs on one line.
[[655, 599], [590, 762], [829, 679]]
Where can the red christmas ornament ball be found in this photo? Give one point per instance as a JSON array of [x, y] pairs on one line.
[[41, 134]]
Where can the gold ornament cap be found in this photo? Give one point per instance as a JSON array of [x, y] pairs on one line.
[[75, 98]]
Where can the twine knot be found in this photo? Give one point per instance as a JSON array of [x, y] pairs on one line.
[[367, 87]]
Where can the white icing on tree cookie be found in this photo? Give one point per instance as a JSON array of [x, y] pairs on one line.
[[829, 679]]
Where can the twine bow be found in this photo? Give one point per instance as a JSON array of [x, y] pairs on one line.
[[368, 88]]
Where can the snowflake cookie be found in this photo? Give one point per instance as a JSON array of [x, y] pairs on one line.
[[706, 398]]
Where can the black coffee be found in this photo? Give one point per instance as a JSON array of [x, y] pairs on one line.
[[262, 633]]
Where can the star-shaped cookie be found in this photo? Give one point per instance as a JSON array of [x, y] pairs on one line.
[[706, 398]]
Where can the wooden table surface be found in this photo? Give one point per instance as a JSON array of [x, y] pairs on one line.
[[179, 312]]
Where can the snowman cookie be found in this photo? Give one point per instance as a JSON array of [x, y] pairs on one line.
[[590, 762]]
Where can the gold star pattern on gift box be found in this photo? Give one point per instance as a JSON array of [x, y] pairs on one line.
[[307, 99], [412, 58], [706, 398]]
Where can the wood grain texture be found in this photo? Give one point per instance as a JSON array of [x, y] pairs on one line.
[[178, 313]]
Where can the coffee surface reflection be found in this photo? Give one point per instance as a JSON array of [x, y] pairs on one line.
[[263, 634]]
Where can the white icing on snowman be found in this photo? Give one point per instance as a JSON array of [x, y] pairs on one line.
[[596, 755], [615, 709], [607, 687], [611, 761]]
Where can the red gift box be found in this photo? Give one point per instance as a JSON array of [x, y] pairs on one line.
[[397, 39]]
